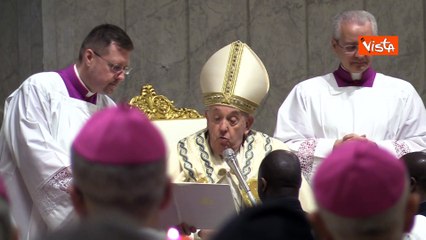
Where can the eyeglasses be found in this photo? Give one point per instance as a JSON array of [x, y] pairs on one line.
[[349, 48], [115, 68]]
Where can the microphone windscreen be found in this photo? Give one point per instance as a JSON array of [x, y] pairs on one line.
[[228, 153]]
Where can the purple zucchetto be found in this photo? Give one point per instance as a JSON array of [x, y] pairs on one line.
[[120, 135], [359, 179]]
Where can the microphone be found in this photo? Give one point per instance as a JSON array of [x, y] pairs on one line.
[[231, 160]]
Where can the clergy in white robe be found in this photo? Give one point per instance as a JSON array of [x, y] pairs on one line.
[[352, 102], [318, 111], [41, 119], [39, 125]]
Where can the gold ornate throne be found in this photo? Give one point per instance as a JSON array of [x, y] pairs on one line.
[[174, 123]]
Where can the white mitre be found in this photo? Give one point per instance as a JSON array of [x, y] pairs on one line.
[[234, 76]]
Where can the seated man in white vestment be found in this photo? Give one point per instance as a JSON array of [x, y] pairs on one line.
[[233, 82], [353, 102], [41, 119]]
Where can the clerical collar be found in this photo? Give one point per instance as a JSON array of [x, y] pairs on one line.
[[76, 88], [89, 93], [346, 79]]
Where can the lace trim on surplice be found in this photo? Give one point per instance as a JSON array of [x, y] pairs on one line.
[[306, 157], [55, 190], [401, 148]]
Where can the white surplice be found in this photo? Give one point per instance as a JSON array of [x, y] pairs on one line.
[[317, 112], [40, 122], [418, 231]]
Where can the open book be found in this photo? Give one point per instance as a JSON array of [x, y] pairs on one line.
[[202, 205]]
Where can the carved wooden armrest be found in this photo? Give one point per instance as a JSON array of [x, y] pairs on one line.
[[158, 107]]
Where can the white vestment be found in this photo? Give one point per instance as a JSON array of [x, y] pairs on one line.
[[40, 122], [418, 231], [199, 164], [317, 112]]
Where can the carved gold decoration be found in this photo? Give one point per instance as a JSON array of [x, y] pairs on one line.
[[158, 107]]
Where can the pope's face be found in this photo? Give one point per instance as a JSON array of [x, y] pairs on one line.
[[227, 127], [351, 60]]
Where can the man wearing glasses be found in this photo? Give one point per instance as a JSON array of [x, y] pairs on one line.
[[353, 102], [41, 119]]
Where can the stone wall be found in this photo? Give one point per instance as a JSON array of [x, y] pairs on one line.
[[173, 39]]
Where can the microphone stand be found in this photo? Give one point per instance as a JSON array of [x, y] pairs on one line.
[[231, 160]]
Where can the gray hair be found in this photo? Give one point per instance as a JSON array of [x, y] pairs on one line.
[[360, 17], [134, 190]]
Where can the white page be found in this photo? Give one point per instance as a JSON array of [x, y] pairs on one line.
[[202, 205]]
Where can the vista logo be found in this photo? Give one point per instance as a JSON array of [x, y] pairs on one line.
[[378, 45]]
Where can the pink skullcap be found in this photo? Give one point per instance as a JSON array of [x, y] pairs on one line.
[[359, 179], [120, 135]]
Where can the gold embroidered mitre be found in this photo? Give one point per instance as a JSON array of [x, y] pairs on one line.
[[234, 76]]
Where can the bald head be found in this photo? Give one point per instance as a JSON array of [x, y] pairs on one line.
[[279, 175], [416, 165]]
